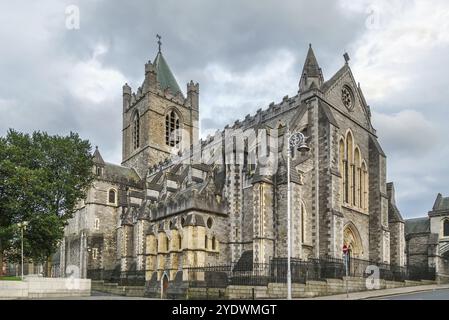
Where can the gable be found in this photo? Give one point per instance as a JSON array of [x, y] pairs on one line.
[[333, 94]]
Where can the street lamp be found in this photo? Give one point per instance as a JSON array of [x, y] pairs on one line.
[[22, 225], [297, 141]]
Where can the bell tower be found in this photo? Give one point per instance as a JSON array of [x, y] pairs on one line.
[[158, 120]]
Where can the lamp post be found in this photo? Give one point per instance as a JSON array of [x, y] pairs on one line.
[[22, 225], [297, 141]]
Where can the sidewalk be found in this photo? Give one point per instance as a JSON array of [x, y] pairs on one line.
[[381, 293]]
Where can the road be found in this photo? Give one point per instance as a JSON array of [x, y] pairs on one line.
[[441, 294]]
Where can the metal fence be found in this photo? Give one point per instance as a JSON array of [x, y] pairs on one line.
[[302, 271], [260, 274]]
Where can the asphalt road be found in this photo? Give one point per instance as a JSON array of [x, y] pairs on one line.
[[442, 294]]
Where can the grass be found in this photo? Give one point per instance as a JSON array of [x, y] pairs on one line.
[[10, 279]]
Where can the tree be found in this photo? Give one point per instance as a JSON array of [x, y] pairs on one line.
[[42, 178]]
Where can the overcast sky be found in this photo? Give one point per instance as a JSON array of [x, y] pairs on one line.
[[59, 78]]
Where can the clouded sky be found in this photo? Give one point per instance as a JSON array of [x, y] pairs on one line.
[[244, 54]]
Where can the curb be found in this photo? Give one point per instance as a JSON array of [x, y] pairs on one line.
[[402, 293]]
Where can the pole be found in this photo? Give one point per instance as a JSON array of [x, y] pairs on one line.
[[346, 255], [22, 250], [289, 271]]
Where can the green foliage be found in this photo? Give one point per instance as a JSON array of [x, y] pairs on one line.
[[42, 178], [10, 279]]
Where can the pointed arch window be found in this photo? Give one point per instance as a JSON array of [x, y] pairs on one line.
[[356, 178], [446, 228], [136, 131], [364, 186], [112, 196], [172, 129], [354, 184], [343, 170], [349, 168], [214, 243]]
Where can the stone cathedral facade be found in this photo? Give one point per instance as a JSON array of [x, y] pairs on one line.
[[177, 201]]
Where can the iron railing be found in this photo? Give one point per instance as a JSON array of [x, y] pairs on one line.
[[260, 274]]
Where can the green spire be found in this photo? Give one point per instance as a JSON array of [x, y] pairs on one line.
[[165, 77]]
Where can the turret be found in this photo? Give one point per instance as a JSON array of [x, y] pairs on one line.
[[150, 77], [193, 94], [312, 76], [126, 97]]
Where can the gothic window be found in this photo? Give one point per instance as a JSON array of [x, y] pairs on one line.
[[347, 97], [342, 170], [97, 224], [112, 196], [446, 228], [356, 178], [179, 242], [364, 185], [167, 243], [99, 170], [354, 182], [214, 244], [136, 131], [349, 168], [205, 242], [172, 129]]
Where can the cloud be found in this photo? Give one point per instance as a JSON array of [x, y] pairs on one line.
[[241, 93], [244, 55], [406, 133], [92, 82]]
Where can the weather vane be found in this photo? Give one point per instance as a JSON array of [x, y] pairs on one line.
[[346, 56], [159, 41]]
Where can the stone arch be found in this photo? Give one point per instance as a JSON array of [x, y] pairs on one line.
[[164, 285], [352, 239]]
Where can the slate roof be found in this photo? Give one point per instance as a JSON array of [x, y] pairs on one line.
[[334, 78], [165, 77], [98, 159], [311, 67], [442, 203], [116, 173], [418, 225]]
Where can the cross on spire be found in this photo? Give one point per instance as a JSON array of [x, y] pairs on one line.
[[159, 41]]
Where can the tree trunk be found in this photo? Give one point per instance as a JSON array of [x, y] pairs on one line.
[[49, 262]]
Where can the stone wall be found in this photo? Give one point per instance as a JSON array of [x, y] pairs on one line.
[[37, 287], [308, 290], [417, 250]]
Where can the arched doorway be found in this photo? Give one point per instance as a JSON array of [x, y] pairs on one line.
[[352, 240], [164, 285]]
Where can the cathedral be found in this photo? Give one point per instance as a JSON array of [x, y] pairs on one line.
[[177, 201]]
